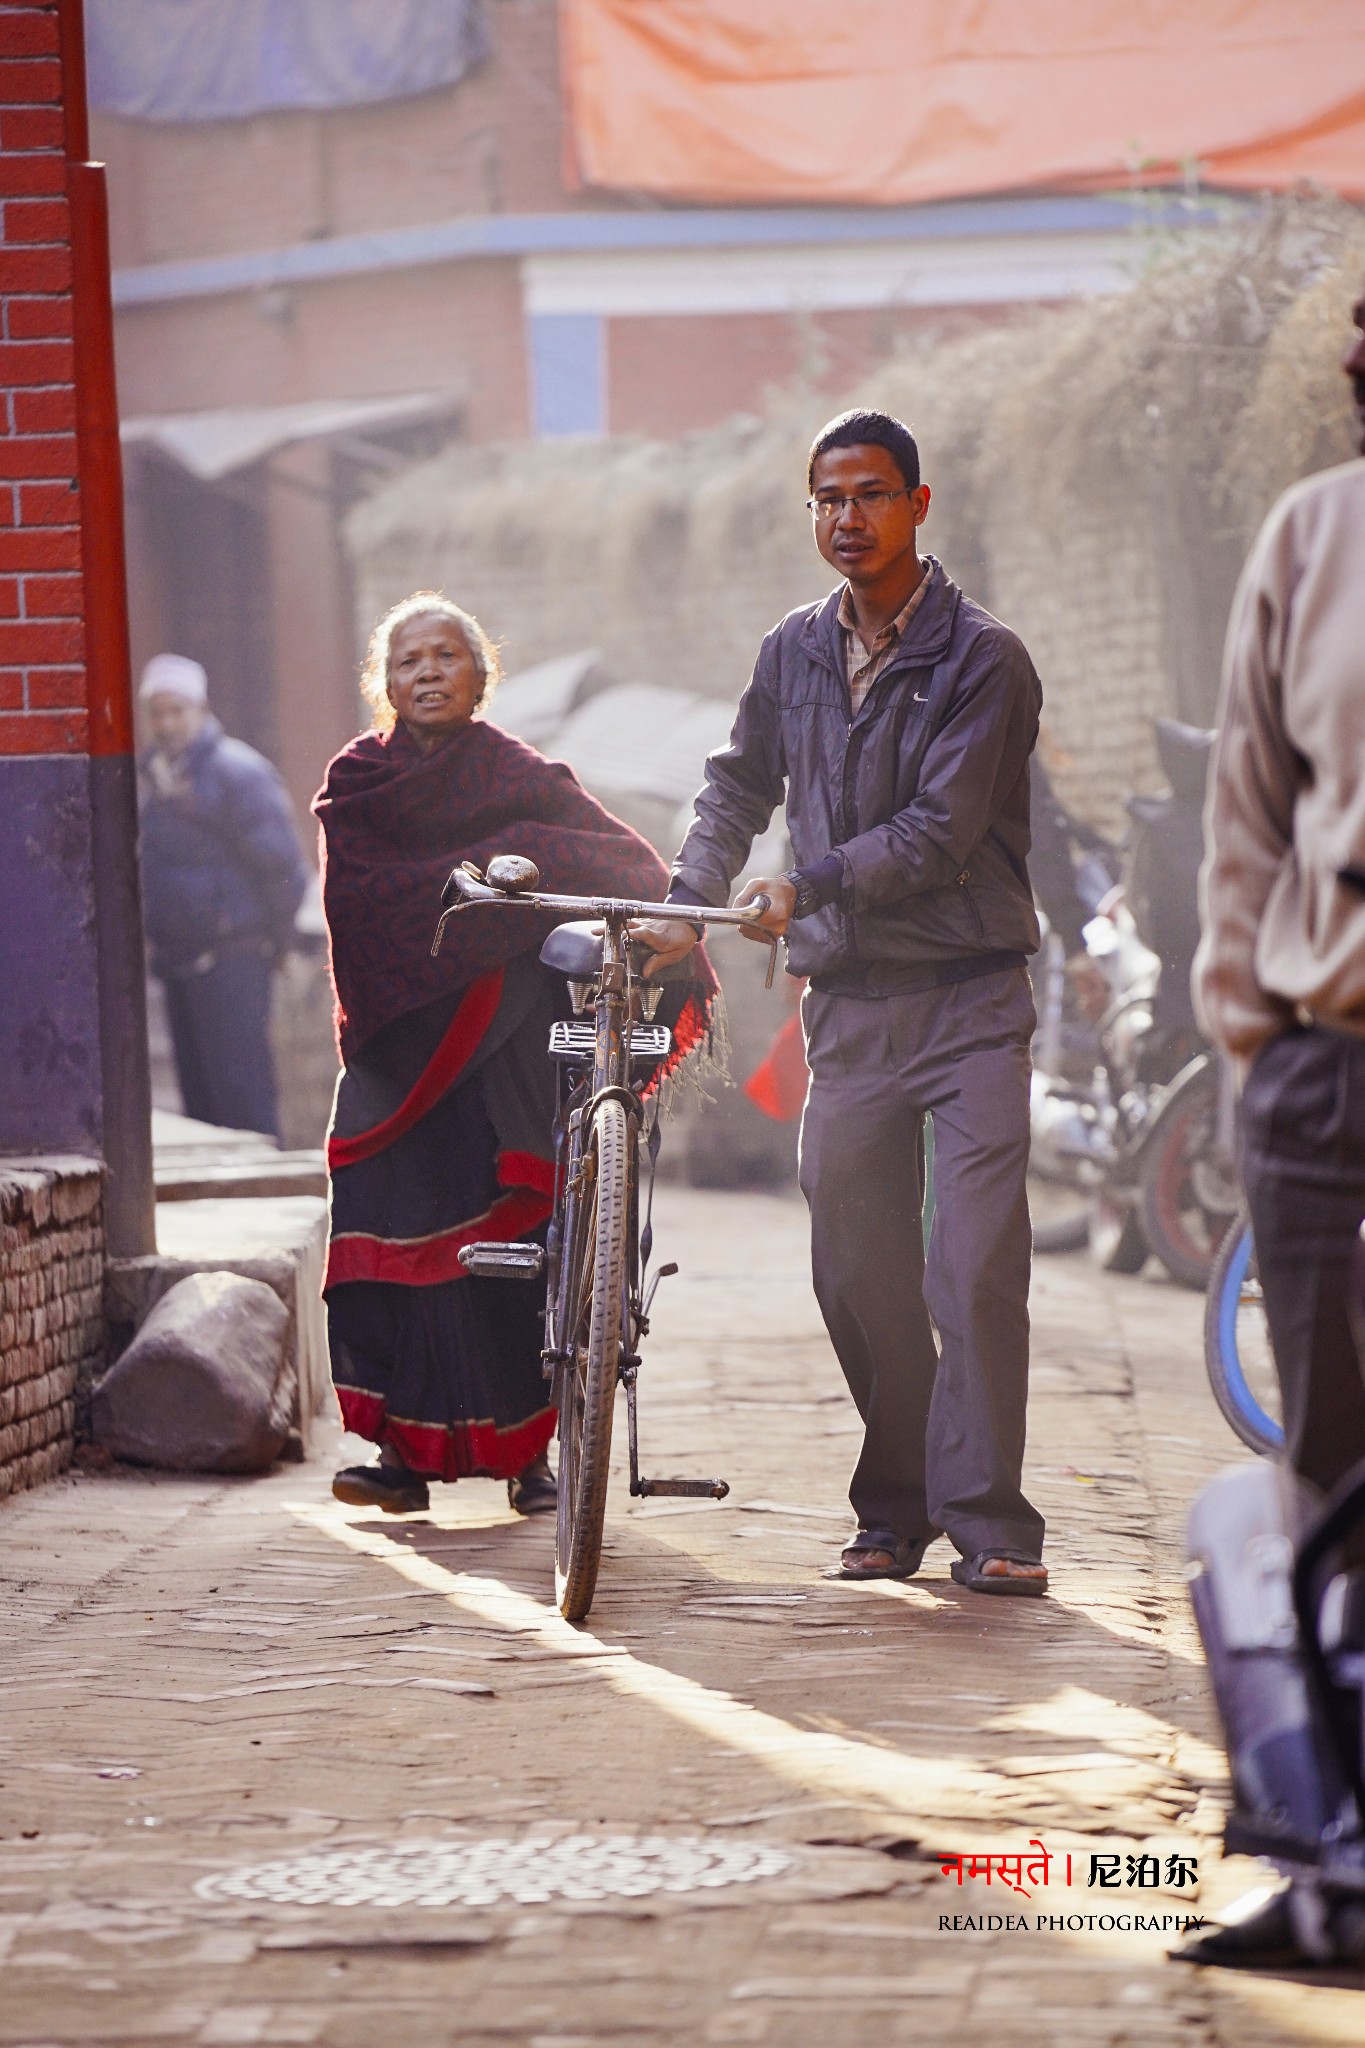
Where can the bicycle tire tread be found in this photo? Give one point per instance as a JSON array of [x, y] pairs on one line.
[[576, 1574]]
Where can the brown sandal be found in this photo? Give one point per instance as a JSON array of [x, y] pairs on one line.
[[906, 1557], [971, 1573]]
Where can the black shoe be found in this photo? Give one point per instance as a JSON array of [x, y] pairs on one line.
[[534, 1492], [390, 1487], [1292, 1928]]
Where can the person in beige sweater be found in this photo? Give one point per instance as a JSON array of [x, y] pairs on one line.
[[1279, 979], [1279, 985]]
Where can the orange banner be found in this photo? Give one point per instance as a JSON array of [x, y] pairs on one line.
[[892, 101]]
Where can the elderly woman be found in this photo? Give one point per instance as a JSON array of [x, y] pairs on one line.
[[441, 1134]]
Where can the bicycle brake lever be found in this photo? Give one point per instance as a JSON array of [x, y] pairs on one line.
[[464, 885], [759, 905], [754, 911]]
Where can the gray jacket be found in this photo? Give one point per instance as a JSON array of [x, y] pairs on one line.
[[925, 794]]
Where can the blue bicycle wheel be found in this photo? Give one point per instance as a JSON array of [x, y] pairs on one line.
[[1237, 1352]]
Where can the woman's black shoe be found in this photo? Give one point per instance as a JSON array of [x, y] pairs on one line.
[[390, 1487], [533, 1492]]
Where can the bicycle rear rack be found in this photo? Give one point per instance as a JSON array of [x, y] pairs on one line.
[[579, 1041]]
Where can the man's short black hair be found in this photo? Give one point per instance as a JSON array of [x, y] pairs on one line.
[[863, 426]]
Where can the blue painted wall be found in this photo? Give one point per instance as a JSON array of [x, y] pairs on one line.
[[568, 373], [50, 1097]]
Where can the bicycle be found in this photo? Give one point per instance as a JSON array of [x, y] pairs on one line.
[[1237, 1350], [595, 1261]]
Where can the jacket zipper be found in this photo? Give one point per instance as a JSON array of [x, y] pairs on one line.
[[964, 882]]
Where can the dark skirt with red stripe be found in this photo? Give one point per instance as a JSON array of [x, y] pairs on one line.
[[441, 1137]]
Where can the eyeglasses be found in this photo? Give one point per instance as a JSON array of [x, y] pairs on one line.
[[871, 503]]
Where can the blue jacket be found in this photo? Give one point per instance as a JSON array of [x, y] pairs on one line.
[[221, 863], [924, 794]]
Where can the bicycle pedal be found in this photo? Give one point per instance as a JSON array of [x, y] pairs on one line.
[[503, 1261], [683, 1489]]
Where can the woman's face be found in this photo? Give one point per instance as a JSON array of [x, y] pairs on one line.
[[434, 680]]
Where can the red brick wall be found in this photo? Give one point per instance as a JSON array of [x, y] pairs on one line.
[[51, 1319], [42, 677]]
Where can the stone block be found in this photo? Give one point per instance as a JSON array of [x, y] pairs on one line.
[[204, 1386], [279, 1240]]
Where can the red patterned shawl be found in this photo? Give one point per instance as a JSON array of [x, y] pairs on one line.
[[394, 823]]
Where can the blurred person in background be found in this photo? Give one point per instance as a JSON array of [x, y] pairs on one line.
[[897, 718], [222, 879], [1279, 978]]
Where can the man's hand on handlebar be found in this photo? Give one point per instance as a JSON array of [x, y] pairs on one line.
[[668, 940], [781, 903]]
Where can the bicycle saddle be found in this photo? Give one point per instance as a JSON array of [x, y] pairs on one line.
[[575, 950]]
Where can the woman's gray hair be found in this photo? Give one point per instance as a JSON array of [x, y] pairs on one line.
[[374, 675]]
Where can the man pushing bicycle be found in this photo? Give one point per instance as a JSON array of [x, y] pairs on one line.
[[896, 718]]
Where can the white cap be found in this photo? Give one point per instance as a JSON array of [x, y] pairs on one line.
[[174, 675]]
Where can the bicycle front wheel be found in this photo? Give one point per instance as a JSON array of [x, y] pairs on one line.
[[1237, 1352], [588, 1382]]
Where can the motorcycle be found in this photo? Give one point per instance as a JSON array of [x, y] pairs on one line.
[[1141, 1141], [1087, 1132]]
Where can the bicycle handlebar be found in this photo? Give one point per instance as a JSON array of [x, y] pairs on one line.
[[466, 890]]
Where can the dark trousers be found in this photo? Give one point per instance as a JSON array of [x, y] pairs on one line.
[[944, 1427], [1303, 1168], [220, 1031]]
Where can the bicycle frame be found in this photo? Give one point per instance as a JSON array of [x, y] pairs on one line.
[[619, 994], [611, 1064]]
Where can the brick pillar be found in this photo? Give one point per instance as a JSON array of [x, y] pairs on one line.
[[72, 1032], [73, 1056], [42, 677], [50, 1083]]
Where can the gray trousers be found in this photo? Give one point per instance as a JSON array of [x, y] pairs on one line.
[[1303, 1168], [943, 1442]]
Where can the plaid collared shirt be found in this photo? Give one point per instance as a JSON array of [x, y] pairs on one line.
[[864, 667]]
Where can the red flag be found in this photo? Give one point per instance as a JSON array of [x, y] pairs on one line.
[[778, 1085]]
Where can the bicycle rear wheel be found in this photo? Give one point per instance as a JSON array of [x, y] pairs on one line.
[[588, 1382], [1237, 1350]]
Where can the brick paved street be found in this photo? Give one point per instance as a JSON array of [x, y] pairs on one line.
[[207, 1676]]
